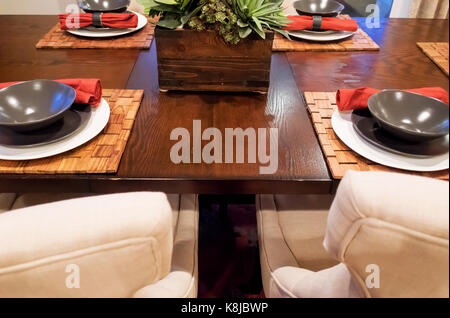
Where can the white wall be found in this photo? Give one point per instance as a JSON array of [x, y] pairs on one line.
[[41, 6]]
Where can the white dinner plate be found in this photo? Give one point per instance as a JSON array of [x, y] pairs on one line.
[[105, 32], [343, 127], [97, 122], [326, 36]]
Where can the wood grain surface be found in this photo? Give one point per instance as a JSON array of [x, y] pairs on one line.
[[202, 61], [20, 60], [399, 63], [148, 158]]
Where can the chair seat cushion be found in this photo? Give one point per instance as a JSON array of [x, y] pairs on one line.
[[291, 230], [6, 201], [303, 221]]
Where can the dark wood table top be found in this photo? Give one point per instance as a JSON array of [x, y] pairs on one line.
[[19, 60], [399, 63], [146, 163]]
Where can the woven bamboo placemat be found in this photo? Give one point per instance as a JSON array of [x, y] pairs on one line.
[[58, 39], [360, 41], [339, 157], [437, 52], [100, 155]]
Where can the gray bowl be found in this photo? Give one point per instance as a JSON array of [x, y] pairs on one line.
[[34, 104], [104, 5], [324, 8], [410, 116]]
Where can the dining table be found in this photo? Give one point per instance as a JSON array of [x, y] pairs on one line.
[[146, 163]]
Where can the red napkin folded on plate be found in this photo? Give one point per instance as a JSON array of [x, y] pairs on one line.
[[351, 99], [88, 90], [304, 22], [112, 20]]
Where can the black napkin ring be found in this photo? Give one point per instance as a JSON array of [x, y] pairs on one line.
[[97, 19], [317, 23]]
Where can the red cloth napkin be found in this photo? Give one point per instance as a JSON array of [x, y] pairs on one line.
[[304, 22], [88, 90], [351, 99], [112, 20]]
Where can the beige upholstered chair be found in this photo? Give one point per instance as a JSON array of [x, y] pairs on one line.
[[386, 235], [122, 245], [429, 9]]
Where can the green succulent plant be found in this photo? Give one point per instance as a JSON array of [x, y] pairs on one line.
[[232, 19], [259, 15], [174, 13], [218, 15]]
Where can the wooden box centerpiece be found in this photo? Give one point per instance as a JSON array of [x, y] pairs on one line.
[[215, 45], [202, 61]]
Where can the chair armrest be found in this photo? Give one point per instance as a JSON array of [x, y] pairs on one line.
[[182, 281]]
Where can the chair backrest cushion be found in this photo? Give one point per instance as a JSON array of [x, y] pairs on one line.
[[391, 231], [107, 246]]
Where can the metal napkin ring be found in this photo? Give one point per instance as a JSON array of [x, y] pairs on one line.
[[317, 23], [97, 19]]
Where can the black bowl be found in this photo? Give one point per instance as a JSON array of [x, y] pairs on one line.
[[324, 8], [410, 116], [104, 5], [34, 104]]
